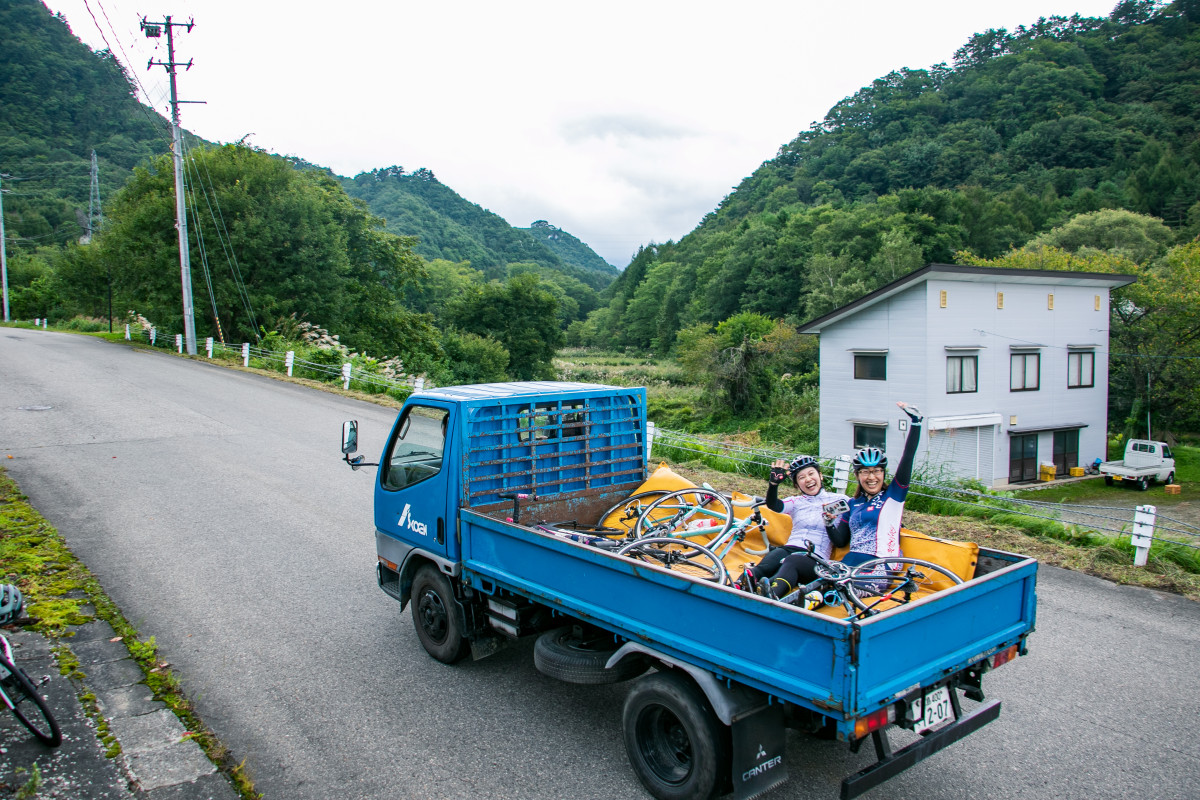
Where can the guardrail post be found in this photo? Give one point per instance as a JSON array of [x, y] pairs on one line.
[[153, 336], [346, 376], [419, 383], [45, 323], [841, 473], [179, 343], [126, 331], [245, 354], [37, 322], [290, 359], [649, 440], [1143, 533], [208, 345]]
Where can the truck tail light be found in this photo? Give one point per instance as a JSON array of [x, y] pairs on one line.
[[1004, 656], [874, 721]]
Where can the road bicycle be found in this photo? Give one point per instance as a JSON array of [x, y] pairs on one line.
[[17, 690], [862, 589], [658, 527]]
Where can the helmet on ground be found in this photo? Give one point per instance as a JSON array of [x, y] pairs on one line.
[[802, 462], [11, 603], [869, 457]]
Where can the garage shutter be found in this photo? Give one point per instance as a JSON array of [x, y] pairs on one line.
[[962, 453]]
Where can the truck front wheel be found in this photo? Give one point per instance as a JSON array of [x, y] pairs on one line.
[[434, 615], [675, 742]]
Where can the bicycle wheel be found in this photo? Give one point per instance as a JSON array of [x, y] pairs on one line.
[[30, 707], [680, 555], [628, 511], [896, 579], [671, 514]]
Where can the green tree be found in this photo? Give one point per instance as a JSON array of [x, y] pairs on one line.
[[520, 314]]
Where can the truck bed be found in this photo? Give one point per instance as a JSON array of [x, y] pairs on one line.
[[841, 668]]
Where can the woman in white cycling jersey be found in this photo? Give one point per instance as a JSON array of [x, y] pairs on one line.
[[786, 567]]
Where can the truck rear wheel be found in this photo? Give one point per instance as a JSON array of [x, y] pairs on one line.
[[1143, 484], [1108, 480], [675, 742], [576, 654], [435, 617]]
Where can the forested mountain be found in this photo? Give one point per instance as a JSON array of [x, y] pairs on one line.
[[58, 102], [569, 248], [1024, 131], [451, 228]]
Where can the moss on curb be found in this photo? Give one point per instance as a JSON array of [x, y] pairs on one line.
[[58, 588]]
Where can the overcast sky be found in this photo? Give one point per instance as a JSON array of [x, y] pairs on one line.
[[623, 123]]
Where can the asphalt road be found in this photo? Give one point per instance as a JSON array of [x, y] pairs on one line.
[[213, 506]]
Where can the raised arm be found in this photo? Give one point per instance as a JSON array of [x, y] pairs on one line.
[[778, 473], [903, 474]]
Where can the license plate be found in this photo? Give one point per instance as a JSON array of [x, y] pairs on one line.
[[935, 709]]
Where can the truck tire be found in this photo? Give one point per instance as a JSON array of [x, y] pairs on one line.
[[676, 745], [575, 654], [1108, 480], [1170, 478], [1143, 483], [435, 616]]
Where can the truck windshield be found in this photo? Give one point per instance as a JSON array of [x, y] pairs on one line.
[[415, 452]]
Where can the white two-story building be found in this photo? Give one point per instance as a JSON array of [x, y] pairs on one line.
[[1009, 367]]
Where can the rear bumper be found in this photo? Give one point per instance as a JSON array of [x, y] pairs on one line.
[[892, 764]]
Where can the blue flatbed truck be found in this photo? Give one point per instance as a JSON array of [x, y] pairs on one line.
[[467, 474]]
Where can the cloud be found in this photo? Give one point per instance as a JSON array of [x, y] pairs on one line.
[[620, 127]]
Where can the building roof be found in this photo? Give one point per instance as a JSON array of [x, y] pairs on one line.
[[956, 272]]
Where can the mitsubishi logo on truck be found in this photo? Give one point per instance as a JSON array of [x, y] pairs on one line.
[[413, 524]]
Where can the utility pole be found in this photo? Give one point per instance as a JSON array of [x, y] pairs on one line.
[[3, 257], [95, 220], [154, 30]]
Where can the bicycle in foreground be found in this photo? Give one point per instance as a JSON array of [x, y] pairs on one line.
[[17, 690], [862, 589]]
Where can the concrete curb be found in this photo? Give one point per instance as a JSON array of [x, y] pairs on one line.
[[157, 762]]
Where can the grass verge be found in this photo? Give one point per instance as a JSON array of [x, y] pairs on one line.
[[58, 589]]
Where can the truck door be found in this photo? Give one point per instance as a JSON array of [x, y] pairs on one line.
[[413, 496]]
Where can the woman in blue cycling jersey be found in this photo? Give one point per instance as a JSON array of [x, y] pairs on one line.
[[873, 521]]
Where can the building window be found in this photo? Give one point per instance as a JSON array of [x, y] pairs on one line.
[[1024, 372], [870, 436], [961, 372], [1081, 370], [870, 368]]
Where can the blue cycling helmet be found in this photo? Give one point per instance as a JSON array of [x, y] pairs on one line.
[[11, 603], [869, 457], [802, 462]]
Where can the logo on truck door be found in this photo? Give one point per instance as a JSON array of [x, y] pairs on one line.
[[413, 524]]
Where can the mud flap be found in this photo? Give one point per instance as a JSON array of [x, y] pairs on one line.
[[758, 750]]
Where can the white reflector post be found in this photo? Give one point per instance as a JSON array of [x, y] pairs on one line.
[[346, 376], [245, 354], [127, 331], [290, 359], [179, 343], [153, 336], [208, 345], [1143, 533], [419, 383], [649, 440], [841, 473]]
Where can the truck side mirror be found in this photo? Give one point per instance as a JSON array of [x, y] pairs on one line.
[[349, 436]]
